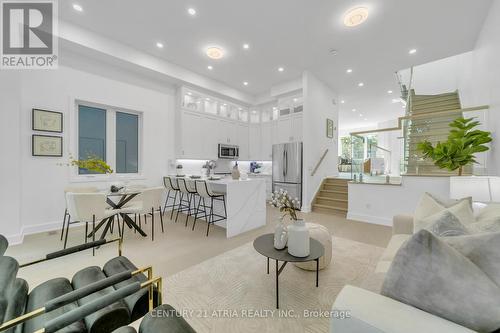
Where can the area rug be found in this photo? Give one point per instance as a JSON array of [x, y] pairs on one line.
[[233, 293]]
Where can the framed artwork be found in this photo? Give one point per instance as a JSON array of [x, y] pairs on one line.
[[46, 145], [47, 121], [329, 128]]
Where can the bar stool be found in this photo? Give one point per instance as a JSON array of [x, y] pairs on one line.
[[172, 186], [205, 192], [188, 197]]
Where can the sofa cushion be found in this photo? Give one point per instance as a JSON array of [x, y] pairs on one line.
[[444, 224], [165, 319], [125, 329], [137, 303], [8, 272], [106, 319], [482, 250], [430, 205], [431, 275], [462, 211], [16, 298], [4, 243], [41, 294]]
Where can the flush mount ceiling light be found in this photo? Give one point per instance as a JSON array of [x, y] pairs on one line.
[[215, 52], [159, 45], [192, 11], [412, 51], [77, 7], [280, 69], [355, 16]]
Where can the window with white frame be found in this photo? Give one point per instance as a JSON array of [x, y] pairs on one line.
[[110, 134]]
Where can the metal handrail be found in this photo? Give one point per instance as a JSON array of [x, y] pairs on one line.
[[319, 162]]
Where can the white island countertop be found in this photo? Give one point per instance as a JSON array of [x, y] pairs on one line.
[[245, 203]]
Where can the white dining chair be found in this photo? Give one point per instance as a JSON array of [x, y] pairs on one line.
[[86, 208], [146, 204], [74, 189]]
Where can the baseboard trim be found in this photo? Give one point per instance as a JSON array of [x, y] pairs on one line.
[[370, 219], [34, 229]]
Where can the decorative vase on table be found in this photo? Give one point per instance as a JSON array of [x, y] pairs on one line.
[[280, 235], [298, 239], [235, 174]]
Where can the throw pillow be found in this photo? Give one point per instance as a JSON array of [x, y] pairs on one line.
[[482, 250], [462, 210], [444, 224], [431, 275], [487, 220]]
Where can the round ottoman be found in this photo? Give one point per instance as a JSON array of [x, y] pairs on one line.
[[322, 235]]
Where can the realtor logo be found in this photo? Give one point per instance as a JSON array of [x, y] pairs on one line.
[[29, 30]]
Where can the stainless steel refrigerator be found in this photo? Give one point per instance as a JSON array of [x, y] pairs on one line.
[[287, 168]]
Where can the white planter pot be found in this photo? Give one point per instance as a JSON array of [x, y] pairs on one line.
[[298, 239]]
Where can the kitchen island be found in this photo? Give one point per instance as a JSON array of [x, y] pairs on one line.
[[245, 203]]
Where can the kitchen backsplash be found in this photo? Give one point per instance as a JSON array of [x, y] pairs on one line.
[[193, 167]]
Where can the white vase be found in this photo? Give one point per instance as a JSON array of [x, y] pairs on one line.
[[280, 236], [298, 239]]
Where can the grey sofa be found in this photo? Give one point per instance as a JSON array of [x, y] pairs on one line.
[[368, 311], [95, 300]]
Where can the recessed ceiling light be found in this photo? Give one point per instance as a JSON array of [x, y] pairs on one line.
[[210, 67], [192, 11], [353, 110], [280, 69], [77, 7], [361, 84], [246, 46], [355, 16], [389, 91], [240, 109], [224, 104], [215, 52], [395, 100], [254, 112], [342, 102], [295, 100], [349, 70], [190, 93], [159, 45], [366, 118], [208, 99], [412, 51], [245, 83], [361, 115]]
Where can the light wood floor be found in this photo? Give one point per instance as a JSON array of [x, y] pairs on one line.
[[176, 249]]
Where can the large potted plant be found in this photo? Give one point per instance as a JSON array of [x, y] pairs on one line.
[[464, 142]]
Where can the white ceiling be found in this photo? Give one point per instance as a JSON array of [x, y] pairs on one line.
[[295, 34]]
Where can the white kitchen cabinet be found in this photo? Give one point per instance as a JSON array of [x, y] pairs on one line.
[[209, 138], [254, 140], [243, 141], [191, 127], [285, 129], [297, 127], [267, 141]]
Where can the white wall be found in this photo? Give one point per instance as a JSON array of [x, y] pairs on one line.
[[379, 203], [480, 83], [42, 181], [318, 107]]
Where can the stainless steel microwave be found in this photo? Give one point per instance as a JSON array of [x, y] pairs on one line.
[[229, 152]]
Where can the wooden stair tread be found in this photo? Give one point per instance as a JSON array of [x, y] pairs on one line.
[[331, 199], [333, 191], [330, 207]]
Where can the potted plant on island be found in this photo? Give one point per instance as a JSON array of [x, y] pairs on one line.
[[296, 235], [464, 141]]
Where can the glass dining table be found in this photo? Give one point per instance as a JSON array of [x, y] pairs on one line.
[[117, 200]]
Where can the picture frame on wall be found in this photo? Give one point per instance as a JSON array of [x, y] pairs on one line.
[[46, 146], [330, 128], [47, 121]]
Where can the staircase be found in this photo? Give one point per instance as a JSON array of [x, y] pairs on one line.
[[332, 197], [442, 110]]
